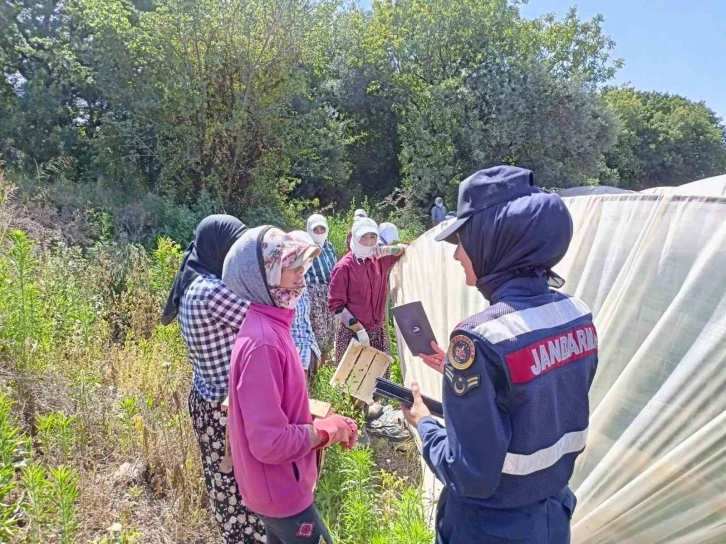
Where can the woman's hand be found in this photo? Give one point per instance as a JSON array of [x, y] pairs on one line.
[[418, 411], [396, 250], [360, 333], [338, 429], [362, 337], [353, 426], [435, 361]]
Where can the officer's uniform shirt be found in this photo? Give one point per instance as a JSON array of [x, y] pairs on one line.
[[515, 401]]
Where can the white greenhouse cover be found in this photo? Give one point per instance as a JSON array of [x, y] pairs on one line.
[[715, 186], [588, 190], [652, 267]]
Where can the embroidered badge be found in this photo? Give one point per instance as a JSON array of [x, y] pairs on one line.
[[461, 352], [306, 529], [462, 384]]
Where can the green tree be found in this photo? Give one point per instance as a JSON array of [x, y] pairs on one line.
[[374, 143], [556, 128], [44, 85], [158, 112], [664, 139], [474, 84], [572, 48]]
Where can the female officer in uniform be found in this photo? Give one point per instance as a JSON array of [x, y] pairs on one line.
[[516, 376]]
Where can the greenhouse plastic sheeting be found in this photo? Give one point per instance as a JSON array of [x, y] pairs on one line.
[[715, 186], [653, 270], [589, 190]]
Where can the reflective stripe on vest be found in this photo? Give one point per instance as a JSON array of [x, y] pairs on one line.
[[521, 465], [548, 316]]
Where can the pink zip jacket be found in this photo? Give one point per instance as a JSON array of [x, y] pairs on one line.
[[274, 464]]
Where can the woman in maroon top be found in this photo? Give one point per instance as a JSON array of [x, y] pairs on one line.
[[359, 289]]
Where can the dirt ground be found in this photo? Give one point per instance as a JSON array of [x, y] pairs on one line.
[[399, 457]]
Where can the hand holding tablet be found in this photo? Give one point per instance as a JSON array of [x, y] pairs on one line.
[[415, 328]]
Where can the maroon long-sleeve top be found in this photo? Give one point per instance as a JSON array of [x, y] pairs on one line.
[[362, 288]]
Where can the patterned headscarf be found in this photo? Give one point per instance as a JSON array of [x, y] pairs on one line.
[[282, 251]]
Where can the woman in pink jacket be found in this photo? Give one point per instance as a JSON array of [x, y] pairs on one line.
[[271, 432]]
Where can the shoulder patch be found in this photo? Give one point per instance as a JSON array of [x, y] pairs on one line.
[[461, 352]]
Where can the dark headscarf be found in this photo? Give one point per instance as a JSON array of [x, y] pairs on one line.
[[213, 237], [521, 238]]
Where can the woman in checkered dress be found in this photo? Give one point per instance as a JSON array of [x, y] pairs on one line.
[[210, 316], [318, 285]]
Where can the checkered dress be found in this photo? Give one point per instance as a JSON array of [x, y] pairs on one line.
[[322, 266], [302, 331], [210, 316]]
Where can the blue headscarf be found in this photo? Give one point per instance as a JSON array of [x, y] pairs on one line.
[[522, 238]]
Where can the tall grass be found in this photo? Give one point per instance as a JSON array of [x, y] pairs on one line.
[[35, 499], [97, 383], [12, 445], [359, 502], [90, 383]]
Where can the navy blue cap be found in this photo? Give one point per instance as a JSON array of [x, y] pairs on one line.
[[487, 188]]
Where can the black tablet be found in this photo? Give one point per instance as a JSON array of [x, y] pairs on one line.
[[403, 395], [415, 327]]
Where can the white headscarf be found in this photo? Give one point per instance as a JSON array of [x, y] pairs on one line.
[[388, 233], [362, 227], [317, 220], [359, 214], [439, 201]]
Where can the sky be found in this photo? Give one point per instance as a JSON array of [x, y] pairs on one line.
[[674, 46]]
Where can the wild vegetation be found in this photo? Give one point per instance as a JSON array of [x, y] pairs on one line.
[[95, 440]]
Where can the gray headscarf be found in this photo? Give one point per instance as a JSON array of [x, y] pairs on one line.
[[244, 269]]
